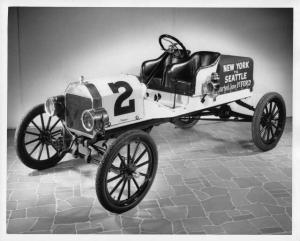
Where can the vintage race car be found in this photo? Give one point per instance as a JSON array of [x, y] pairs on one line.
[[178, 87]]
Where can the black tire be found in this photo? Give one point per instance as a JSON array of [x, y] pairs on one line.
[[268, 121], [126, 172], [185, 122], [25, 133]]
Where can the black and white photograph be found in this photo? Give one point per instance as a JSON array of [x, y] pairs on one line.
[[150, 120]]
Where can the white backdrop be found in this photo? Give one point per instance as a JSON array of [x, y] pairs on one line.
[[53, 46]]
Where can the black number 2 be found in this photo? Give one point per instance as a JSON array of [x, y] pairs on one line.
[[119, 109]]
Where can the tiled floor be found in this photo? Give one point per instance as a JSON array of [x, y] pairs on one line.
[[211, 179]]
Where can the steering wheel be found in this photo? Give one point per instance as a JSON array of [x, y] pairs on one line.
[[172, 48]]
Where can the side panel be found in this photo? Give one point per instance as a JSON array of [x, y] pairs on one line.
[[122, 98], [236, 73], [157, 109]]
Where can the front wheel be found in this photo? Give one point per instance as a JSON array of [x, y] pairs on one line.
[[268, 121], [37, 139], [127, 172]]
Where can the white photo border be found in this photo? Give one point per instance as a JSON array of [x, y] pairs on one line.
[[4, 5]]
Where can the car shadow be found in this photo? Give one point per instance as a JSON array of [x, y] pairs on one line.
[[65, 166], [233, 147]]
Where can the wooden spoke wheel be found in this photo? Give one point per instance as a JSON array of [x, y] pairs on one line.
[[268, 121], [128, 170], [38, 139]]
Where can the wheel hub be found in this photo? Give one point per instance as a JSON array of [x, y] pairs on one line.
[[45, 136], [267, 120], [130, 169]]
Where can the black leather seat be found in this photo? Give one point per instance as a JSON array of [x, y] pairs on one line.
[[181, 78], [157, 67]]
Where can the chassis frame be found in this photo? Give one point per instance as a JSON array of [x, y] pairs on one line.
[[220, 115]]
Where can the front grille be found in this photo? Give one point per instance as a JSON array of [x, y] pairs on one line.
[[75, 105]]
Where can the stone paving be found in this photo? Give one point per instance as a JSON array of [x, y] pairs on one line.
[[211, 179]]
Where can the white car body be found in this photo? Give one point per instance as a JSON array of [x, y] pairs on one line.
[[146, 108]]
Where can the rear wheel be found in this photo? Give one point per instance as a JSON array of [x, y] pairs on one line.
[[224, 112], [185, 122], [128, 170], [38, 138], [268, 121]]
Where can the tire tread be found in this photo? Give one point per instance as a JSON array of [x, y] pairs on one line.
[[25, 158], [257, 117], [109, 154]]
